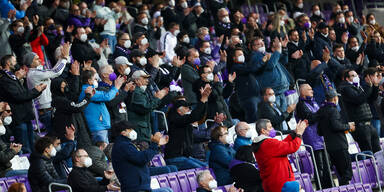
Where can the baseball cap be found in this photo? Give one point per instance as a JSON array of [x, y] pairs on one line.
[[121, 60], [180, 103], [331, 94], [140, 73]]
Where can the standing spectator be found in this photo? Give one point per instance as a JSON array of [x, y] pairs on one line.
[[333, 129], [189, 74], [322, 40], [4, 35], [19, 40], [181, 119], [130, 163], [122, 66], [223, 24], [275, 170], [168, 42], [355, 97], [76, 19], [38, 40], [375, 49], [20, 100], [81, 179], [245, 134], [96, 113], [81, 50], [42, 172], [6, 6], [221, 154]]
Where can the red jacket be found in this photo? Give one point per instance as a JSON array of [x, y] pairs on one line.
[[271, 156], [36, 44]]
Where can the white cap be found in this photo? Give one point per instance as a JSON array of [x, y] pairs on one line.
[[121, 60], [139, 73]]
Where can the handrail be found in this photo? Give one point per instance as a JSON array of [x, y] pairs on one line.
[[328, 164], [374, 164], [314, 164], [165, 118], [59, 185], [280, 133]]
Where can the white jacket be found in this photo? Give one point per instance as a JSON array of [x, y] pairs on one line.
[[168, 42], [37, 76]]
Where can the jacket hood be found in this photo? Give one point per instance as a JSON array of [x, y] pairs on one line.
[[234, 163], [258, 141], [56, 86]]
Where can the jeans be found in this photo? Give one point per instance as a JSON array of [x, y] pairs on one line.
[[281, 101], [101, 135], [12, 173], [112, 41], [46, 119], [162, 170], [24, 135], [183, 163], [376, 123], [163, 189]]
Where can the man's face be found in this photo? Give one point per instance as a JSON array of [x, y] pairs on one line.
[[81, 157], [268, 129], [294, 36], [257, 44], [307, 91], [377, 37], [76, 10], [351, 74], [332, 35], [353, 42], [324, 31], [304, 20], [123, 39], [194, 55], [339, 52], [237, 54], [203, 34], [36, 61], [205, 183], [223, 14], [316, 8], [80, 31], [107, 72], [56, 143], [207, 71], [243, 130], [12, 63], [205, 45], [268, 93]]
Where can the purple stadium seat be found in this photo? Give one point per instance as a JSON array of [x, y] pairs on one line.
[[184, 183], [306, 164], [364, 173], [163, 181], [11, 180], [192, 180], [305, 181], [24, 179], [158, 161], [343, 188], [355, 175], [367, 188], [174, 183], [3, 186], [371, 172]]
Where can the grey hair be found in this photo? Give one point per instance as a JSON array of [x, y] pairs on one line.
[[221, 10], [201, 30], [261, 124], [240, 125], [201, 176], [104, 69]]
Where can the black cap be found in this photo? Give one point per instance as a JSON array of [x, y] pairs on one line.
[[180, 103], [137, 53], [322, 25], [331, 94], [151, 53]]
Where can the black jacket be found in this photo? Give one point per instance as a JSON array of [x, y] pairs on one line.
[[6, 154], [82, 180], [247, 177], [99, 162], [17, 44], [332, 128], [266, 111], [83, 51], [355, 100], [42, 172], [180, 131], [62, 155], [375, 52], [18, 97]]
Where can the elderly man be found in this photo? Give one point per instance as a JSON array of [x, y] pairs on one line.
[[275, 170], [245, 134], [306, 109], [123, 66]]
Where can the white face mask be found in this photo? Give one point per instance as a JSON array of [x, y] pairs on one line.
[[127, 44], [207, 51], [2, 130], [188, 113], [40, 67], [172, 3], [58, 148], [372, 22], [261, 49], [132, 135], [212, 184], [241, 59], [184, 5], [340, 58], [210, 77], [226, 19], [228, 139], [176, 32], [272, 99], [127, 71], [356, 79], [301, 5], [7, 120], [83, 37], [355, 48], [282, 23], [53, 152], [84, 11], [249, 134], [325, 35], [144, 41], [186, 40], [144, 21], [341, 20], [95, 84], [143, 87], [40, 2], [317, 12], [20, 29], [87, 162], [143, 61], [350, 19]]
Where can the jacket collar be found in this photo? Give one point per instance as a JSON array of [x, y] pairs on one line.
[[261, 138]]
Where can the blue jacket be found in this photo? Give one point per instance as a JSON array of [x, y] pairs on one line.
[[130, 164], [320, 43], [241, 141], [219, 160], [274, 74], [96, 113], [6, 6]]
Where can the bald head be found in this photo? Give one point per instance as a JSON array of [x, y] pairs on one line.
[[306, 91], [242, 128]]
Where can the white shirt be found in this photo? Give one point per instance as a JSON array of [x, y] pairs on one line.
[[109, 15], [168, 42]]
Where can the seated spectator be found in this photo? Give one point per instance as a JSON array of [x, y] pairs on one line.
[[221, 154], [129, 162], [17, 187], [268, 109], [245, 134], [271, 155], [81, 179], [96, 153], [123, 46], [206, 182], [181, 121], [42, 172], [243, 171]]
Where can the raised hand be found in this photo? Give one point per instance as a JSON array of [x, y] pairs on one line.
[[75, 68], [301, 126], [223, 56], [326, 55], [70, 132], [119, 81], [232, 77], [89, 90]]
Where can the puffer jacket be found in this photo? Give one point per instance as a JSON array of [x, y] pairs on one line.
[[6, 154], [219, 160]]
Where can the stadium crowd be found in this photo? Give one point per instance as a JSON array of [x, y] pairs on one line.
[[85, 86]]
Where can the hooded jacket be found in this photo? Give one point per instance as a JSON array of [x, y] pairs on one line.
[[271, 156], [219, 160]]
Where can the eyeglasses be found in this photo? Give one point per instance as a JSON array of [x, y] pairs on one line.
[[82, 156]]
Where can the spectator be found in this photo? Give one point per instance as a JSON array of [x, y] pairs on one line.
[[96, 153], [306, 109], [7, 6], [268, 109], [355, 97], [206, 182], [221, 154], [38, 39], [77, 19], [4, 35], [270, 162], [223, 24], [317, 15], [81, 50], [245, 134], [96, 113], [168, 42], [355, 53], [21, 34], [207, 58], [129, 161], [81, 179], [333, 129], [243, 171], [372, 25], [123, 46], [42, 172], [321, 40], [189, 74], [181, 123], [20, 100], [17, 187], [375, 49]]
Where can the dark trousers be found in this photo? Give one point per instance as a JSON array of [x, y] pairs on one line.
[[342, 161], [367, 138], [322, 168]]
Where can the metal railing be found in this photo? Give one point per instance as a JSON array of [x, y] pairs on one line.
[[164, 116], [59, 185], [314, 164], [374, 165]]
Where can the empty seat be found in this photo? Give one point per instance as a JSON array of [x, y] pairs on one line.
[[11, 180], [306, 163], [368, 163], [3, 186], [192, 180], [163, 181], [305, 181], [174, 183], [158, 161], [183, 180]]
